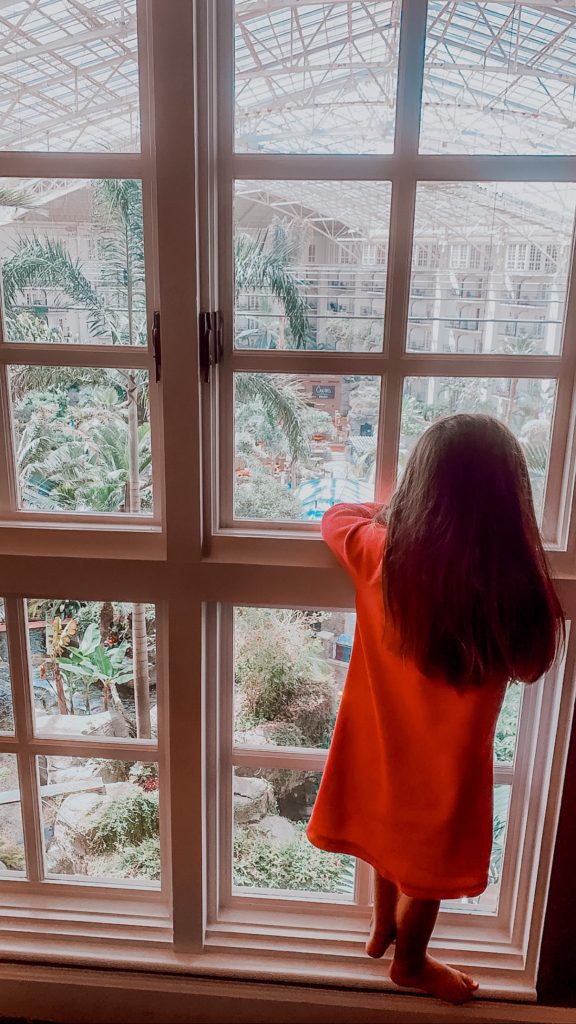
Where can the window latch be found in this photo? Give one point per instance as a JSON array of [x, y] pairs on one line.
[[156, 343], [210, 342]]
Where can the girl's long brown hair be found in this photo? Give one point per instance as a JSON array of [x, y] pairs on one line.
[[464, 573]]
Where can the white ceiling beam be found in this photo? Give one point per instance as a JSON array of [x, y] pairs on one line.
[[118, 29]]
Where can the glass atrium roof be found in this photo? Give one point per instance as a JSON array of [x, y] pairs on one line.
[[500, 77]]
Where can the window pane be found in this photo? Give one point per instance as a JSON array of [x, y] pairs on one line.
[[310, 261], [101, 818], [69, 76], [82, 439], [271, 851], [490, 267], [93, 669], [525, 405], [303, 443], [316, 78], [72, 261], [487, 903], [12, 860], [495, 78], [289, 673], [507, 726], [6, 709]]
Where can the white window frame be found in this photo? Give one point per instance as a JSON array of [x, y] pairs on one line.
[[190, 567], [501, 947], [141, 527], [403, 169], [264, 543]]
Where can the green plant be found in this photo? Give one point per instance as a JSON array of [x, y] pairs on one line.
[[507, 725], [127, 822], [281, 674], [143, 859], [90, 662], [261, 863]]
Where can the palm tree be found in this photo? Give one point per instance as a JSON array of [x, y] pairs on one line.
[[41, 262], [46, 263], [259, 265]]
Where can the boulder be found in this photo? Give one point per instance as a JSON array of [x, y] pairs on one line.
[[103, 723], [253, 798], [255, 737], [76, 822], [281, 831]]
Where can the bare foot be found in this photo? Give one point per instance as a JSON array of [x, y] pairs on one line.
[[379, 939], [436, 979]]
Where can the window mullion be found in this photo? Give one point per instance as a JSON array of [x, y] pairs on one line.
[[557, 504], [410, 76], [17, 633]]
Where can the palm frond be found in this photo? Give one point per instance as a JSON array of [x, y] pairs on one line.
[[260, 267], [44, 262], [282, 401]]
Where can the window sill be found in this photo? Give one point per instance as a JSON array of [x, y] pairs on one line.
[[90, 539], [348, 969]]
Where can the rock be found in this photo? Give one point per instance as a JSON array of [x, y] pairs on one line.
[[104, 723], [154, 720], [253, 798], [253, 737], [69, 769], [77, 820], [280, 830]]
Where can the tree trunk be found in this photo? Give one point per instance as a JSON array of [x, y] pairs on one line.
[[139, 642], [62, 706], [511, 400]]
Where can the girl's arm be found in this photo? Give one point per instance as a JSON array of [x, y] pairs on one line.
[[356, 540]]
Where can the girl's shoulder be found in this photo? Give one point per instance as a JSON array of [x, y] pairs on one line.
[[357, 539]]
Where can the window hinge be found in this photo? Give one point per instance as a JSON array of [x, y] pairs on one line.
[[211, 345], [156, 343]]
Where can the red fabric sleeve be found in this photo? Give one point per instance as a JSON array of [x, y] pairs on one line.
[[356, 540]]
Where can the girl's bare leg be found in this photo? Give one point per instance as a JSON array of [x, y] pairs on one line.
[[383, 927], [412, 966]]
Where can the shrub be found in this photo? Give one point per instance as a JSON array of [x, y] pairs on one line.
[[281, 675], [127, 822], [143, 860], [505, 738], [261, 863]]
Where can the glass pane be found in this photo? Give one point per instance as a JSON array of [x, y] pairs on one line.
[[310, 262], [271, 809], [316, 78], [72, 261], [93, 669], [525, 405], [101, 818], [490, 267], [289, 673], [303, 443], [6, 708], [12, 859], [495, 79], [82, 439], [507, 726], [69, 76], [487, 903]]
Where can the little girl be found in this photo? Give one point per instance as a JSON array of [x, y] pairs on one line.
[[453, 600]]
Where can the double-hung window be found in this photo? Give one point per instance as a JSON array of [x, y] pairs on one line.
[[346, 130], [248, 252]]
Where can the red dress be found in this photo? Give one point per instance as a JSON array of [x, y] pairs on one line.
[[408, 781]]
